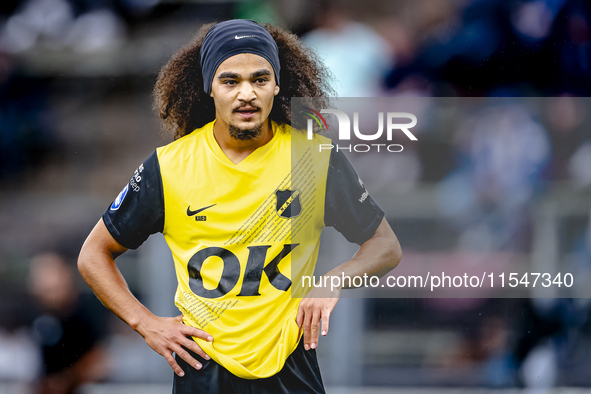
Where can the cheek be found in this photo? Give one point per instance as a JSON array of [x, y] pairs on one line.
[[271, 101], [222, 105]]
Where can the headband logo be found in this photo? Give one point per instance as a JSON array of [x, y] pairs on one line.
[[239, 37]]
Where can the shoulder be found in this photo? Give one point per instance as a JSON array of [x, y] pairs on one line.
[[300, 136], [185, 143]]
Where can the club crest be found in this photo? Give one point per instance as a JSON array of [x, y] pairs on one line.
[[288, 203]]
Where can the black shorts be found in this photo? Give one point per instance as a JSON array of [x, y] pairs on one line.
[[300, 375]]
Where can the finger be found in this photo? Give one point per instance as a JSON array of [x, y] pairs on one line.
[[192, 345], [325, 319], [300, 317], [195, 332], [314, 328], [173, 364], [185, 355], [306, 327]]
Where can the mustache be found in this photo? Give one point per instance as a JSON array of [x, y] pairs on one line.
[[249, 107]]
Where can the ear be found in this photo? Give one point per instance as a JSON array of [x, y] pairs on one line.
[[276, 90]]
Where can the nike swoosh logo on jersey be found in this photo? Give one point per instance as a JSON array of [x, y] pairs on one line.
[[192, 213], [237, 37]]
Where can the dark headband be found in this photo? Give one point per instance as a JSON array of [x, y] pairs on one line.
[[233, 37]]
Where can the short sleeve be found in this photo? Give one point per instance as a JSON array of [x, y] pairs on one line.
[[138, 211], [348, 206]]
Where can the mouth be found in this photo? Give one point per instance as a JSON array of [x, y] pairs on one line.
[[247, 112]]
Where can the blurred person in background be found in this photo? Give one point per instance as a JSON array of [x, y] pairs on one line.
[[356, 76], [504, 48], [19, 354], [67, 327], [503, 151]]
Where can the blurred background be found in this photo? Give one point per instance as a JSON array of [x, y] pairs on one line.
[[509, 184]]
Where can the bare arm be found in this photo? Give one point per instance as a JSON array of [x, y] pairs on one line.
[[376, 257], [164, 335]]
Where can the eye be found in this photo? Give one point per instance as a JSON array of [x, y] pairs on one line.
[[230, 82], [261, 80]]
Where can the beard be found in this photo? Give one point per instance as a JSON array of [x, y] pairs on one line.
[[245, 134]]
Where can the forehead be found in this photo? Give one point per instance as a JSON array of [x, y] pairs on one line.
[[243, 64]]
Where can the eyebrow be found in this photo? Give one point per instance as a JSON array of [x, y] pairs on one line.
[[259, 73]]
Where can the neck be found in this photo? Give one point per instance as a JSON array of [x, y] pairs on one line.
[[236, 149]]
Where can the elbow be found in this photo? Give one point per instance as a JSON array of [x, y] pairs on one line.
[[390, 245], [88, 259], [98, 253], [396, 256], [395, 253], [83, 262]]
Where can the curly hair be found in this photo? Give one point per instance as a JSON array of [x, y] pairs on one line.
[[183, 105]]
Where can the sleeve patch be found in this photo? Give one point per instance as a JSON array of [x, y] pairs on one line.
[[119, 200], [138, 210]]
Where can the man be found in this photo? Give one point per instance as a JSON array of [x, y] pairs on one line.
[[68, 327], [240, 223]]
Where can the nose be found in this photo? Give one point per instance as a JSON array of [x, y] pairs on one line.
[[246, 92]]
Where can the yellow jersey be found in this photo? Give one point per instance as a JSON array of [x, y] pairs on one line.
[[241, 234]]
